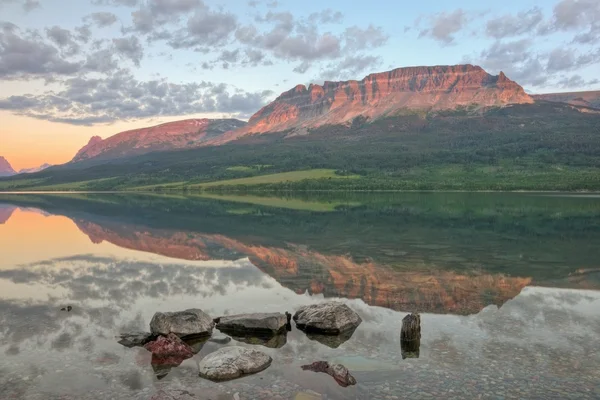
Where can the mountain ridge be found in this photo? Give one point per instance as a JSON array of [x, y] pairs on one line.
[[426, 88], [589, 99], [187, 133], [5, 168]]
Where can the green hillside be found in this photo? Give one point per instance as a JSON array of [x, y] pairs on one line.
[[543, 146]]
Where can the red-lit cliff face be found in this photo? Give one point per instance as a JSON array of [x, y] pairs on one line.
[[303, 270], [173, 135], [386, 93]]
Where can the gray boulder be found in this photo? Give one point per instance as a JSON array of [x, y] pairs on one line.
[[182, 323], [330, 318], [233, 362], [256, 323]]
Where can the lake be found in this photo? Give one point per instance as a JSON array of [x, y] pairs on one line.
[[507, 286]]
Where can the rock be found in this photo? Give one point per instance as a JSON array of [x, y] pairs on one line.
[[256, 323], [134, 339], [182, 323], [271, 341], [233, 362], [308, 396], [220, 340], [331, 318], [169, 346], [340, 373], [167, 352]]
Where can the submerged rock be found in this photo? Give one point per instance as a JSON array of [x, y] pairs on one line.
[[330, 318], [256, 323], [340, 373], [233, 362], [271, 341], [220, 340], [182, 323], [135, 339]]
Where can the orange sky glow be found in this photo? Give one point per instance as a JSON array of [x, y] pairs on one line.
[[27, 142]]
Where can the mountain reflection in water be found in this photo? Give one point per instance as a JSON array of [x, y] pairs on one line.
[[497, 282]]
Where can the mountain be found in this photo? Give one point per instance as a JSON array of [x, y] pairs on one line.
[[34, 169], [384, 94], [188, 133], [5, 168], [586, 99]]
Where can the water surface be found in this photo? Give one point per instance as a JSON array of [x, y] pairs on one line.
[[508, 287]]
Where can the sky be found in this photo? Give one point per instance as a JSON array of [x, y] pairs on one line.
[[71, 69]]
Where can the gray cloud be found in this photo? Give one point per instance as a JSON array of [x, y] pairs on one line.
[[127, 3], [576, 81], [25, 55], [349, 67], [360, 39], [514, 25], [28, 5], [122, 97], [130, 48], [327, 16], [573, 14], [103, 19], [516, 59], [444, 26]]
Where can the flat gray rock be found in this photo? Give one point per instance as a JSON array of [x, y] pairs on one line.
[[331, 318], [233, 362], [259, 323], [133, 339], [182, 323]]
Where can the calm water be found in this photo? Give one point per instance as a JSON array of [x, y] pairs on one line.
[[508, 287]]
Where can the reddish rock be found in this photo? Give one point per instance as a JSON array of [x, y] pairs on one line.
[[381, 94], [340, 373], [5, 168], [187, 133], [169, 350]]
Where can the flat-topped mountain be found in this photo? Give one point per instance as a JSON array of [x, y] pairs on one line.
[[385, 94], [5, 168], [183, 134], [589, 99]]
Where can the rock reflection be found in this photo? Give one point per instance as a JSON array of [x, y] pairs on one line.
[[272, 341], [333, 341]]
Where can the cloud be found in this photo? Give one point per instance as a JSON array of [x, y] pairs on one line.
[[122, 97], [103, 19], [327, 16], [517, 59], [26, 55], [127, 3], [576, 81], [444, 26], [349, 67], [129, 48], [514, 25], [360, 39], [28, 5]]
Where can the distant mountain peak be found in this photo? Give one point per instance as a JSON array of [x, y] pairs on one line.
[[188, 133], [5, 168], [34, 169]]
